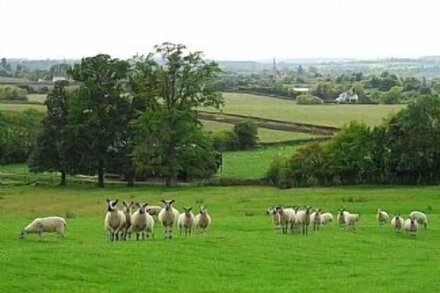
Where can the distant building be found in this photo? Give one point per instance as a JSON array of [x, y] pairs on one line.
[[347, 97], [57, 78]]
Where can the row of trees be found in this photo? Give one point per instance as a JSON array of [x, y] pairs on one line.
[[131, 117], [404, 150]]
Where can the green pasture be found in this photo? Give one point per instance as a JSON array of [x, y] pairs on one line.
[[241, 252]]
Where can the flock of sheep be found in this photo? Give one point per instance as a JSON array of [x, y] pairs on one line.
[[133, 218], [138, 218], [298, 219]]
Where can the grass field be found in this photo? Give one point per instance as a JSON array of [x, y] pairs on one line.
[[41, 98], [21, 107], [240, 253], [331, 115], [265, 135]]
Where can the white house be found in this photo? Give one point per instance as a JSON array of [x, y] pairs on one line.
[[347, 97]]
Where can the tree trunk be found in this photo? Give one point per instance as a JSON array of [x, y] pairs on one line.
[[100, 177], [171, 180], [130, 178], [63, 178]]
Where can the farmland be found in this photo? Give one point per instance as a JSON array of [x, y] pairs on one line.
[[240, 253], [285, 110]]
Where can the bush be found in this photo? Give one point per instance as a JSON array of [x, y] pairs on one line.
[[224, 141], [308, 99], [12, 93], [278, 172], [246, 133]]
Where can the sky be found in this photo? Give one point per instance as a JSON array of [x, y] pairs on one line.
[[222, 29]]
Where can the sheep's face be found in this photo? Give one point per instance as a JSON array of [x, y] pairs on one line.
[[187, 211], [111, 205], [22, 233], [143, 208], [307, 209], [269, 211], [202, 210], [168, 204], [128, 205]]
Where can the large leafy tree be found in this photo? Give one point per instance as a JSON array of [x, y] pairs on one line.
[[50, 151], [98, 112], [173, 82]]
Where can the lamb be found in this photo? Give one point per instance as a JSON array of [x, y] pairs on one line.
[[326, 218], [127, 212], [347, 219], [303, 218], [48, 225], [397, 223], [168, 217], [420, 217], [142, 223], [186, 221], [202, 220], [382, 217], [315, 218], [114, 221], [285, 215], [294, 225], [411, 226]]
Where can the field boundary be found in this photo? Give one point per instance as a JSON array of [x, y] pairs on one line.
[[269, 123]]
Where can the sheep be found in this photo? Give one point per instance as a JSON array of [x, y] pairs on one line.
[[202, 220], [411, 226], [326, 218], [294, 225], [186, 221], [275, 218], [168, 217], [340, 219], [114, 221], [141, 222], [397, 223], [48, 225], [303, 218], [347, 219], [382, 217], [127, 212], [315, 218], [420, 217], [154, 210], [285, 215]]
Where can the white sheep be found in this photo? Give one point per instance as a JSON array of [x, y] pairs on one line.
[[202, 220], [382, 217], [347, 219], [326, 218], [142, 223], [186, 221], [315, 219], [127, 212], [114, 221], [271, 211], [168, 217], [48, 225], [397, 223], [420, 217], [340, 219], [411, 226], [302, 218], [285, 215]]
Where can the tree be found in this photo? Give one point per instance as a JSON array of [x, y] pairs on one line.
[[50, 153], [98, 112], [172, 88], [246, 133]]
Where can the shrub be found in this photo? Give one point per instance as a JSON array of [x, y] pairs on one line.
[[224, 140], [246, 133], [278, 172], [308, 99]]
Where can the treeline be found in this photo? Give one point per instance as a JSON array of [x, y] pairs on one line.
[[385, 88], [136, 118], [404, 150], [18, 133]]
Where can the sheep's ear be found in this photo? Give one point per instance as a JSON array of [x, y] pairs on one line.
[[107, 200], [116, 202], [145, 205], [163, 201], [148, 209], [190, 208], [124, 203], [172, 201]]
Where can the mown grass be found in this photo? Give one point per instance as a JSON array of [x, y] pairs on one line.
[[264, 134], [21, 107], [240, 253], [330, 115], [40, 98]]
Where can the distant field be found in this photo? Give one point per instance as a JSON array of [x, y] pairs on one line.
[[265, 135], [20, 107], [36, 98], [330, 115]]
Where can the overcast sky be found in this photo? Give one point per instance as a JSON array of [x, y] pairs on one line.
[[223, 29]]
